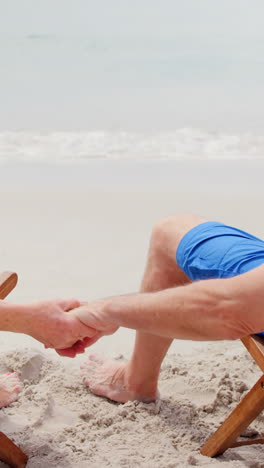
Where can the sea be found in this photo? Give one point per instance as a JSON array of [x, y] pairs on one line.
[[120, 80]]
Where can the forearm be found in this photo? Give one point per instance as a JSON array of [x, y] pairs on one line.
[[208, 310], [50, 323], [14, 317]]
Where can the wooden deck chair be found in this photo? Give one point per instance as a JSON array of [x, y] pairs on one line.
[[245, 412], [9, 452]]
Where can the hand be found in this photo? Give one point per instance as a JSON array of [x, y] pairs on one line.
[[78, 347], [48, 323], [94, 315]]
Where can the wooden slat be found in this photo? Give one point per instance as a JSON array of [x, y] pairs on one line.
[[11, 454], [8, 281], [255, 345], [240, 443], [240, 418]]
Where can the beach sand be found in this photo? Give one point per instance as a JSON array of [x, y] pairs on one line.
[[67, 236]]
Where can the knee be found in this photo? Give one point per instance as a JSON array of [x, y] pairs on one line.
[[160, 232], [173, 227], [164, 231], [167, 232]]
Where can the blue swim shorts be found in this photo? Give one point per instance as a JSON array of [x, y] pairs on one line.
[[215, 250]]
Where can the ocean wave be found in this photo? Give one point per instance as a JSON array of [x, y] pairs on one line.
[[66, 147]]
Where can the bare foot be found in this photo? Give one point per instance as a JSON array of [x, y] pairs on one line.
[[10, 386], [110, 379]]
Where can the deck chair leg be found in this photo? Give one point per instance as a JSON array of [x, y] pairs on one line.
[[240, 418], [8, 281], [11, 454]]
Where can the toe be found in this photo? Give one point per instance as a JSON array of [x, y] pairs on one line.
[[96, 358], [16, 389], [88, 371], [99, 390], [88, 368], [85, 380]]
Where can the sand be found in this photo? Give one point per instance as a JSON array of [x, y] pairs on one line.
[[59, 423], [74, 240]]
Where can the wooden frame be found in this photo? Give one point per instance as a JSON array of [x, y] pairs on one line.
[[10, 453], [245, 412]]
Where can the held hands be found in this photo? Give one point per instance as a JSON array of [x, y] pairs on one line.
[[93, 316], [67, 325], [48, 323]]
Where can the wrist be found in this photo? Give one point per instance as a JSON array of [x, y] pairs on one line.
[[15, 317]]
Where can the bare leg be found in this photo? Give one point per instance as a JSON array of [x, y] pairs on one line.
[[10, 386], [138, 378]]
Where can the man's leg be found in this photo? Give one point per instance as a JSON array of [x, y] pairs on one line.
[[138, 378]]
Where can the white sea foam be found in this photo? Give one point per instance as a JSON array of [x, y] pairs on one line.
[[78, 147]]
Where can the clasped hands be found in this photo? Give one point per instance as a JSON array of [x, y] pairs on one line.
[[68, 326]]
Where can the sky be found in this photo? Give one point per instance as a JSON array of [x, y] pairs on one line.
[[127, 64], [143, 17]]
